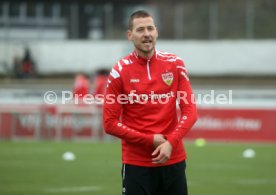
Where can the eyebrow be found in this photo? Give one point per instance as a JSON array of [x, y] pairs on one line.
[[152, 26]]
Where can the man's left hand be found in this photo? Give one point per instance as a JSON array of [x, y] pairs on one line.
[[163, 153]]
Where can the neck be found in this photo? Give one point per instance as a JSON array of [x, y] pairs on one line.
[[147, 55]]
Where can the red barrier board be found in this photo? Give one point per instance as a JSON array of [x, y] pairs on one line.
[[68, 122], [235, 124], [46, 122]]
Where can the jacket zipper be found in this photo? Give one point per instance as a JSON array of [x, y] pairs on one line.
[[148, 69]]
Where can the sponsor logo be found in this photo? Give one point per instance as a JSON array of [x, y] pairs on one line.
[[134, 80], [168, 78]]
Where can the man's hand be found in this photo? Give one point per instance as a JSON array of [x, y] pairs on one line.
[[158, 139], [163, 153]]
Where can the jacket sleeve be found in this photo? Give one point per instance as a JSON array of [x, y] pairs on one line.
[[113, 109], [187, 106]]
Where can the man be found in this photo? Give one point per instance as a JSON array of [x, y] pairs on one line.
[[81, 85], [100, 82], [153, 153]]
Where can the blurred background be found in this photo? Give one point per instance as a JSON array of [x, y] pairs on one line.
[[228, 47], [56, 46]]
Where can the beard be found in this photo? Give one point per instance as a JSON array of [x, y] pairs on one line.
[[144, 48]]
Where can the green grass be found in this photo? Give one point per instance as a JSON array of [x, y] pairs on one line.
[[32, 168]]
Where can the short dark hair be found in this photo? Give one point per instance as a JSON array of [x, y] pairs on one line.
[[137, 14], [103, 71]]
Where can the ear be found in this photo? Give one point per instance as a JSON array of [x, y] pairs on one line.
[[157, 32], [129, 35]]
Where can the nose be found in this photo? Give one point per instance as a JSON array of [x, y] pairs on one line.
[[146, 32]]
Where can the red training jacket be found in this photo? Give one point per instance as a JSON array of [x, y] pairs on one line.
[[147, 90], [81, 86]]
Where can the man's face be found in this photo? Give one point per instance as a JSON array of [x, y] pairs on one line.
[[143, 35]]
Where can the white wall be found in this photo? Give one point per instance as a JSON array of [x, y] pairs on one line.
[[226, 57], [28, 34], [201, 57]]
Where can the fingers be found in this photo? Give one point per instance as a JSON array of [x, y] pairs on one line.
[[162, 156], [160, 159], [156, 151]]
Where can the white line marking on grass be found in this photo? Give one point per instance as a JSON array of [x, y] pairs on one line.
[[74, 189]]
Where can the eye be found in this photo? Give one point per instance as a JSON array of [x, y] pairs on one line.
[[140, 29], [150, 28]]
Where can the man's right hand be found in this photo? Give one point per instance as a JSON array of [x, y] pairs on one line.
[[158, 139]]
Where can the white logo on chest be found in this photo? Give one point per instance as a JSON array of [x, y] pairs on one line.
[[134, 80]]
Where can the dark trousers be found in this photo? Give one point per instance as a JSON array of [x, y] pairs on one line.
[[164, 180]]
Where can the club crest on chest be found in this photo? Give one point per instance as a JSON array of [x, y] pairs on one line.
[[167, 78]]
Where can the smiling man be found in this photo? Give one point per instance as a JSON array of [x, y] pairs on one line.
[[143, 33], [153, 154]]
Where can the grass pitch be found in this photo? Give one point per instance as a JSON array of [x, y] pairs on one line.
[[34, 168]]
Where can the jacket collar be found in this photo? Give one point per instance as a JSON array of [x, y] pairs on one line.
[[142, 60]]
